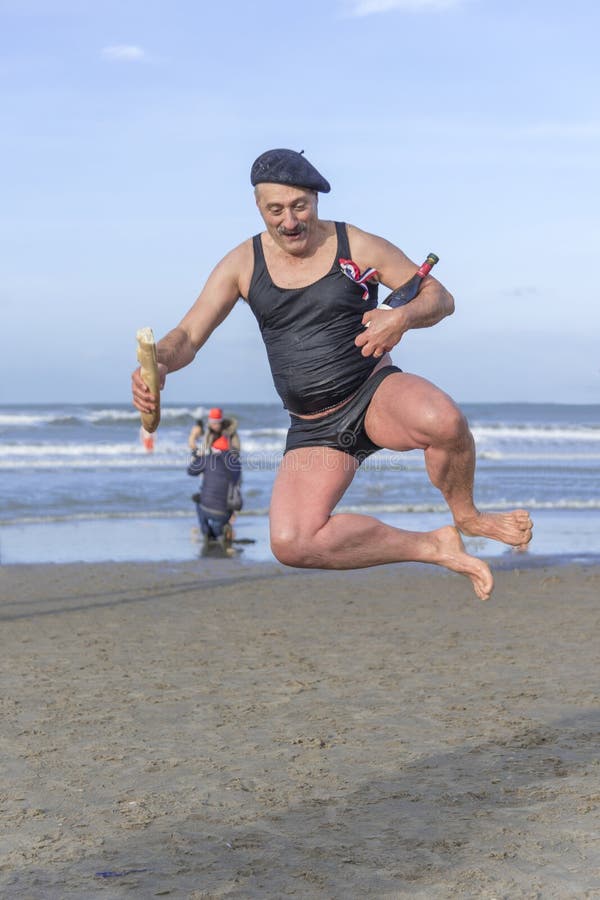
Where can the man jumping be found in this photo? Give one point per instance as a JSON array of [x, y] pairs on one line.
[[328, 349]]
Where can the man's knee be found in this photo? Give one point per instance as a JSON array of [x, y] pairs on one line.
[[447, 423], [291, 548]]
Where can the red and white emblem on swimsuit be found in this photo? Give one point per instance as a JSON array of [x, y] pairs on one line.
[[351, 270]]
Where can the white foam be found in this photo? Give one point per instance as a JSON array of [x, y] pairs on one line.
[[536, 433]]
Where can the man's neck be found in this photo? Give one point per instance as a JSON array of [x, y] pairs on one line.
[[315, 243]]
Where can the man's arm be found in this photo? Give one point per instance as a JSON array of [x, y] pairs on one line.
[[386, 327], [179, 347]]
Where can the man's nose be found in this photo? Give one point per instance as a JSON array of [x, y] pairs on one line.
[[289, 219]]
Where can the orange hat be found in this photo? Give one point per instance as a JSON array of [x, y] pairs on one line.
[[216, 414], [221, 443]]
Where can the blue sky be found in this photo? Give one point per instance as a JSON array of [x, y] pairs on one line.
[[466, 127]]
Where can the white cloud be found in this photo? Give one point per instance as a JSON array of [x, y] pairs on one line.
[[124, 53], [371, 7]]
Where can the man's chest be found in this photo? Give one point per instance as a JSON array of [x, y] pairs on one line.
[[291, 272]]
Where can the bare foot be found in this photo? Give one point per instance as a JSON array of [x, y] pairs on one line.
[[513, 527], [451, 553]]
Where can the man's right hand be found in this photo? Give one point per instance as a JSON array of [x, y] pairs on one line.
[[143, 400]]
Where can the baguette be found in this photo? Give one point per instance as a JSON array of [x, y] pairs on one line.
[[146, 354]]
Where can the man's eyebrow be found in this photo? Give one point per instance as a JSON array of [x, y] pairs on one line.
[[279, 203]]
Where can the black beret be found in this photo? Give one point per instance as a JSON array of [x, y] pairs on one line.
[[287, 167]]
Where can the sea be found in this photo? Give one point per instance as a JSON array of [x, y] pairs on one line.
[[77, 484]]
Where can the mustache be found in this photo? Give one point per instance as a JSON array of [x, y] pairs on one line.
[[299, 229]]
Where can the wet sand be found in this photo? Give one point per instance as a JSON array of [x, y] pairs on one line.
[[208, 731]]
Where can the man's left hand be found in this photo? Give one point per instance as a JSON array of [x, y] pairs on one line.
[[383, 331]]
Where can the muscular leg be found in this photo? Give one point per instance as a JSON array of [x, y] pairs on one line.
[[310, 483], [406, 413]]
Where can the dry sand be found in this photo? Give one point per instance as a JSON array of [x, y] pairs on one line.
[[249, 731]]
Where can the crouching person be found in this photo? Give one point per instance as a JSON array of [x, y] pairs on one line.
[[220, 494]]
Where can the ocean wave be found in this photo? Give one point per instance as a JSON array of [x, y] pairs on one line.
[[119, 515], [24, 420], [128, 416], [549, 457], [89, 416], [378, 509], [90, 463], [526, 433], [256, 457], [499, 506], [169, 416]]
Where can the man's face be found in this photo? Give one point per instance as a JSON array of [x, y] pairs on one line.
[[215, 425], [290, 215]]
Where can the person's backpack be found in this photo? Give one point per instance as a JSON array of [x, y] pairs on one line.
[[235, 501]]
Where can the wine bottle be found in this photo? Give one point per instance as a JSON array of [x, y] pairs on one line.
[[409, 290]]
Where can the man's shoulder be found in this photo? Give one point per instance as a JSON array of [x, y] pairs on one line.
[[240, 256], [236, 267], [359, 235], [365, 241]]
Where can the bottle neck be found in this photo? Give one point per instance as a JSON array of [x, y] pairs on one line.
[[428, 265]]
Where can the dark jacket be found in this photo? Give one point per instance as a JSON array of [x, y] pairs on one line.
[[221, 471]]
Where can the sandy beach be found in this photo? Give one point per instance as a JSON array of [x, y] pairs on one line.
[[249, 731]]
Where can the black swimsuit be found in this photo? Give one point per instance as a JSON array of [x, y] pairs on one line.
[[344, 428], [309, 335]]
